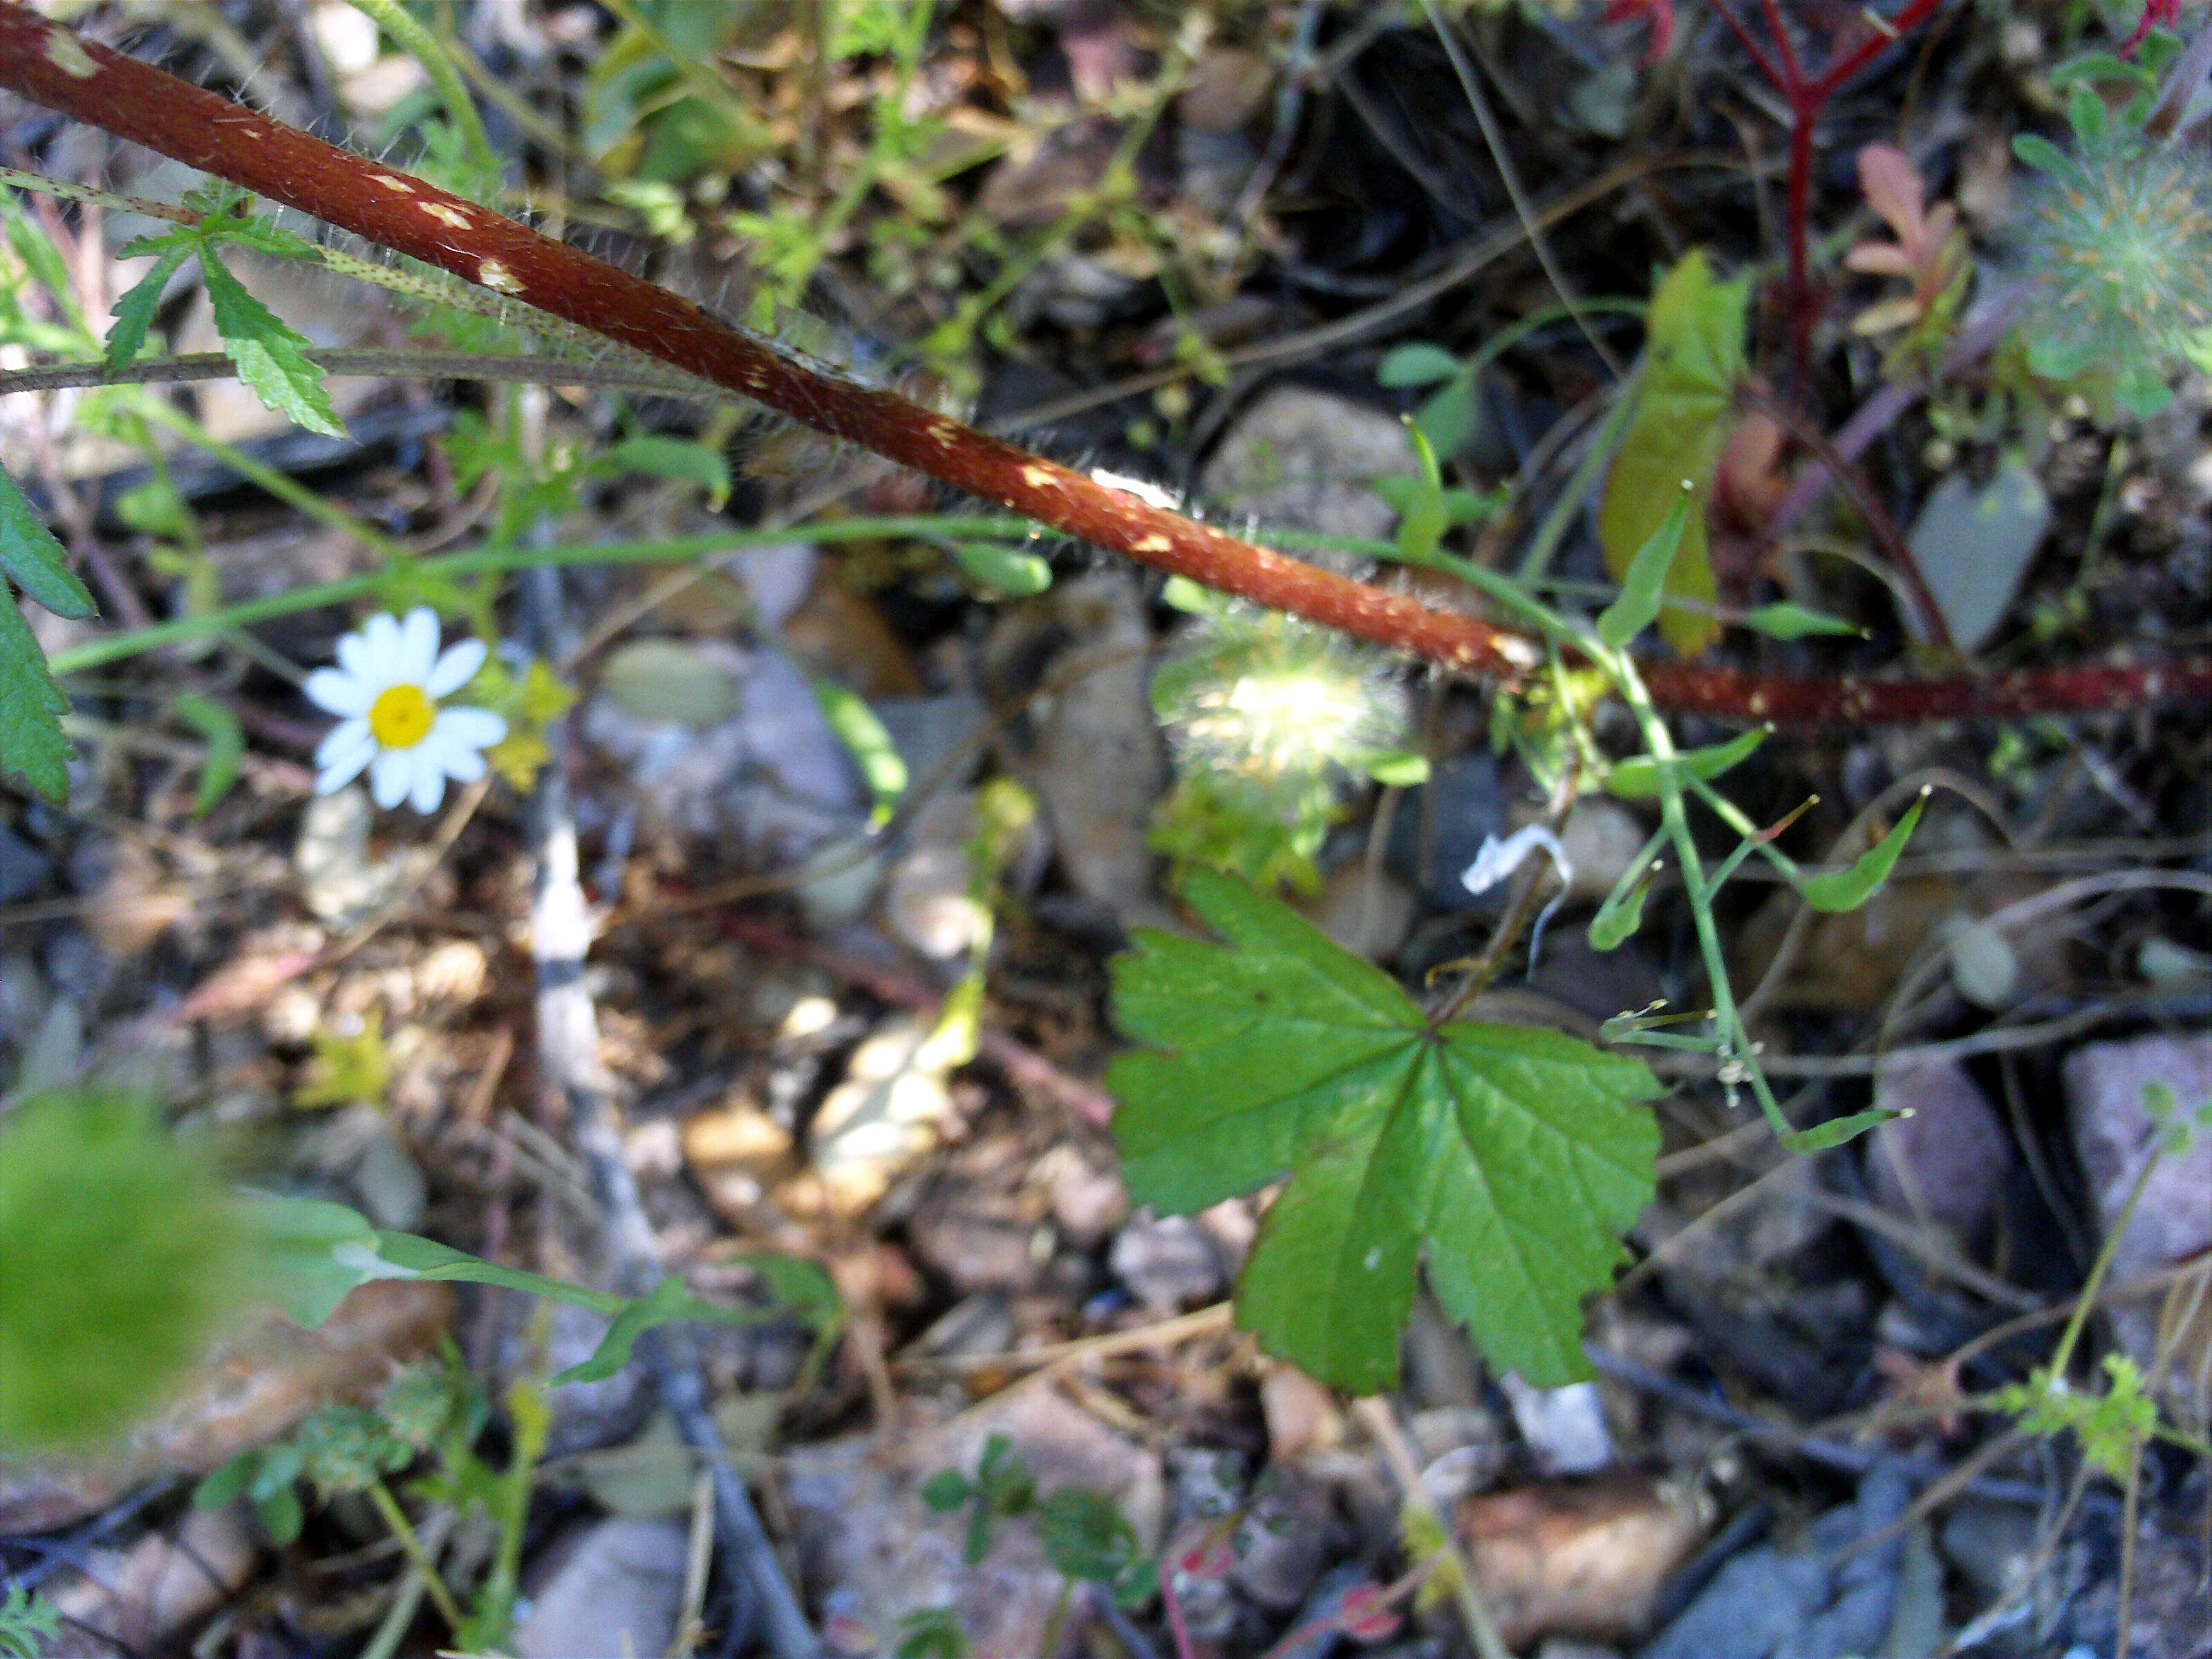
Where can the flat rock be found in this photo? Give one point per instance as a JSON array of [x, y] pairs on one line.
[[266, 1377], [1576, 1558], [618, 1589], [2115, 1138], [1948, 1163], [1302, 458]]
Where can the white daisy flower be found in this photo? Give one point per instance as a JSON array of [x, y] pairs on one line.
[[385, 690]]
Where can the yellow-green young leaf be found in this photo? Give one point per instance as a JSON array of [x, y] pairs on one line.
[[677, 459], [1636, 778], [1007, 569], [271, 357], [1693, 357], [1785, 621], [1509, 1157], [870, 746], [1848, 889], [1622, 913], [1638, 606], [1838, 1130], [226, 741]]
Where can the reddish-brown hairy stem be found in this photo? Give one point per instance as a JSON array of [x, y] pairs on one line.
[[52, 66]]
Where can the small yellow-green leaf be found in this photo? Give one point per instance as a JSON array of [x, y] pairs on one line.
[[226, 741], [869, 744], [1838, 1130], [1418, 362], [1397, 769], [1693, 358], [1622, 913], [1785, 621], [1007, 570], [1848, 889], [1637, 605], [1636, 778], [680, 460]]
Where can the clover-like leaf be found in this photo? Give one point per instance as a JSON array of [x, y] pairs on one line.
[[1511, 1157]]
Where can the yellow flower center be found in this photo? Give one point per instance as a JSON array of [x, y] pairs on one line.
[[401, 716]]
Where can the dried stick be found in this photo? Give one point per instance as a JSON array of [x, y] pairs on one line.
[[568, 1050], [52, 66]]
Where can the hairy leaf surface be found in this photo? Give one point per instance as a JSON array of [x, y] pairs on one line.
[[1510, 1158]]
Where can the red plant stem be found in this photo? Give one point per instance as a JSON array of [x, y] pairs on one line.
[[52, 66], [1806, 96]]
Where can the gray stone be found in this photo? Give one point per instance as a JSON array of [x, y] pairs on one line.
[[1803, 1603], [619, 1589], [2115, 1138], [1169, 1262], [1973, 547], [1303, 459]]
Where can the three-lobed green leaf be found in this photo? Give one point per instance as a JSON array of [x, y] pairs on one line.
[[1511, 1158]]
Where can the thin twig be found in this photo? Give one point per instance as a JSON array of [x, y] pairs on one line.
[[1467, 1596], [568, 1035]]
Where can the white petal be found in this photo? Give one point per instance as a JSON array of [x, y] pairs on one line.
[[340, 770], [463, 765], [466, 728], [389, 778], [337, 692], [357, 656], [418, 653], [380, 645], [346, 740], [429, 786], [456, 668]]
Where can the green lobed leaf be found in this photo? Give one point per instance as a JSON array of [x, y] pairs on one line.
[[32, 744], [1638, 606], [1693, 358], [134, 312], [34, 561], [226, 741], [270, 354], [1512, 1158], [1637, 777], [1849, 888]]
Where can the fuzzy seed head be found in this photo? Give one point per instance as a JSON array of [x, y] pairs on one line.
[[117, 1255], [1276, 703], [2121, 245]]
